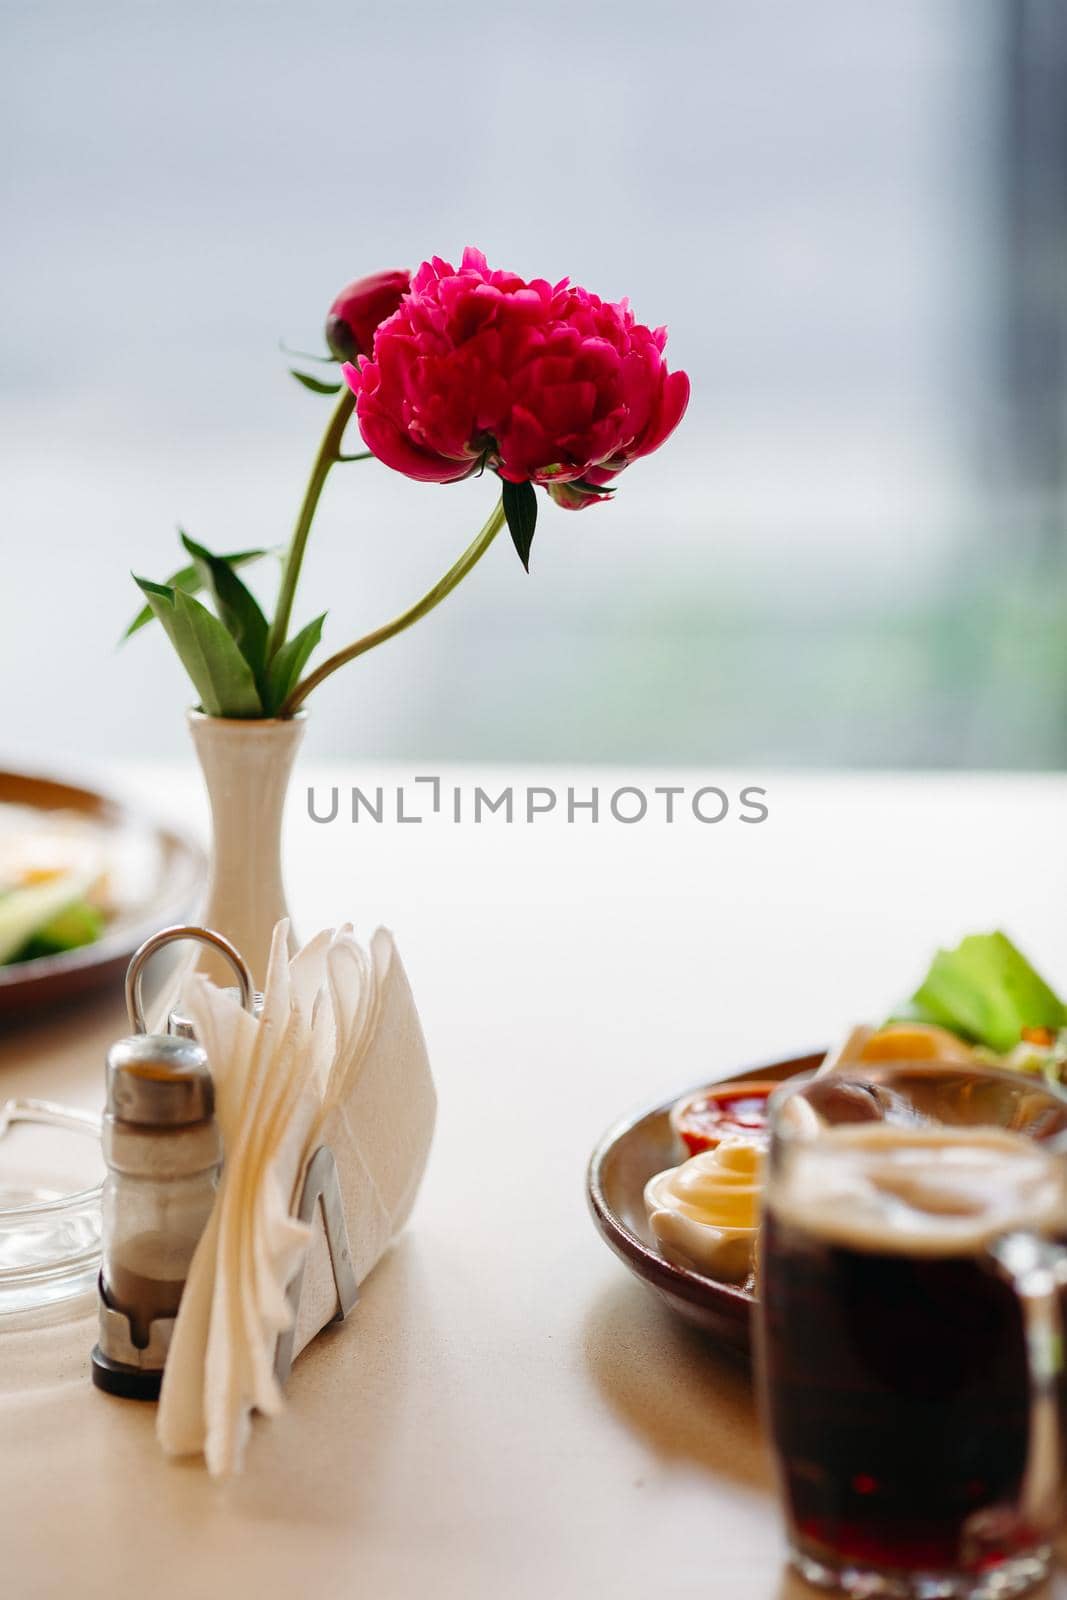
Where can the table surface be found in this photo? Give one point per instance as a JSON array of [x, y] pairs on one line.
[[508, 1413]]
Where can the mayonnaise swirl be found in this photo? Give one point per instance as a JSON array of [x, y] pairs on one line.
[[705, 1213]]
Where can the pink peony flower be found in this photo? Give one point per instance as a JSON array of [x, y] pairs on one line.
[[543, 383], [355, 314]]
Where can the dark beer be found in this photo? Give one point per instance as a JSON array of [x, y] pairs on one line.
[[895, 1362]]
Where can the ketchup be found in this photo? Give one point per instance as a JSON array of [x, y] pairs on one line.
[[702, 1120]]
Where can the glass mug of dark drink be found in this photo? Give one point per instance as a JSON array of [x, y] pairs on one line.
[[911, 1327]]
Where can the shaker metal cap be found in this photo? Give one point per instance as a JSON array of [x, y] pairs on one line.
[[155, 1080]]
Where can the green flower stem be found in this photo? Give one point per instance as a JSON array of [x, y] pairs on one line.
[[329, 454], [455, 575]]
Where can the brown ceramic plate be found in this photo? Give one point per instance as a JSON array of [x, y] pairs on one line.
[[622, 1163], [161, 877]]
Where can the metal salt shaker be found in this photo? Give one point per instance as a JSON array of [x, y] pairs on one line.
[[163, 1153]]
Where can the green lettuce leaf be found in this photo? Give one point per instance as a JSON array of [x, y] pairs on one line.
[[24, 912], [80, 924], [987, 991]]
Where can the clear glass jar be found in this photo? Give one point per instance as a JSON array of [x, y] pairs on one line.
[[50, 1210]]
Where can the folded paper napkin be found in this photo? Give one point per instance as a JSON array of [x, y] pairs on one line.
[[337, 1057]]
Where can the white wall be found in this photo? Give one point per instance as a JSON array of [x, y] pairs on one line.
[[802, 192]]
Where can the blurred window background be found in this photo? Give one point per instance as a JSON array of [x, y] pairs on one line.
[[852, 217]]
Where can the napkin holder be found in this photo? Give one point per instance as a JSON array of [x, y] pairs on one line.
[[358, 1095], [321, 1186]]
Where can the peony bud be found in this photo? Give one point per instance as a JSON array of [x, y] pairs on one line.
[[356, 313]]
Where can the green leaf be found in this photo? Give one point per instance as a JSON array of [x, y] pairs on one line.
[[237, 607], [220, 674], [328, 360], [520, 508], [316, 385], [188, 578], [987, 990], [289, 662]]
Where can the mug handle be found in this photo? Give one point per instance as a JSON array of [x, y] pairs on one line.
[[1037, 1271]]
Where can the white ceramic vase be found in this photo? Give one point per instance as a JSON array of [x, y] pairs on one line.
[[247, 766]]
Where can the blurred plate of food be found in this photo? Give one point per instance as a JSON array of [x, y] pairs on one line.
[[675, 1190], [639, 1152], [84, 880]]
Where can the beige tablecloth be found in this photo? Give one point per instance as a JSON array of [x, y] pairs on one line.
[[508, 1413]]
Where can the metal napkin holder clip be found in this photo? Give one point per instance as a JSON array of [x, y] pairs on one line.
[[320, 1184]]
